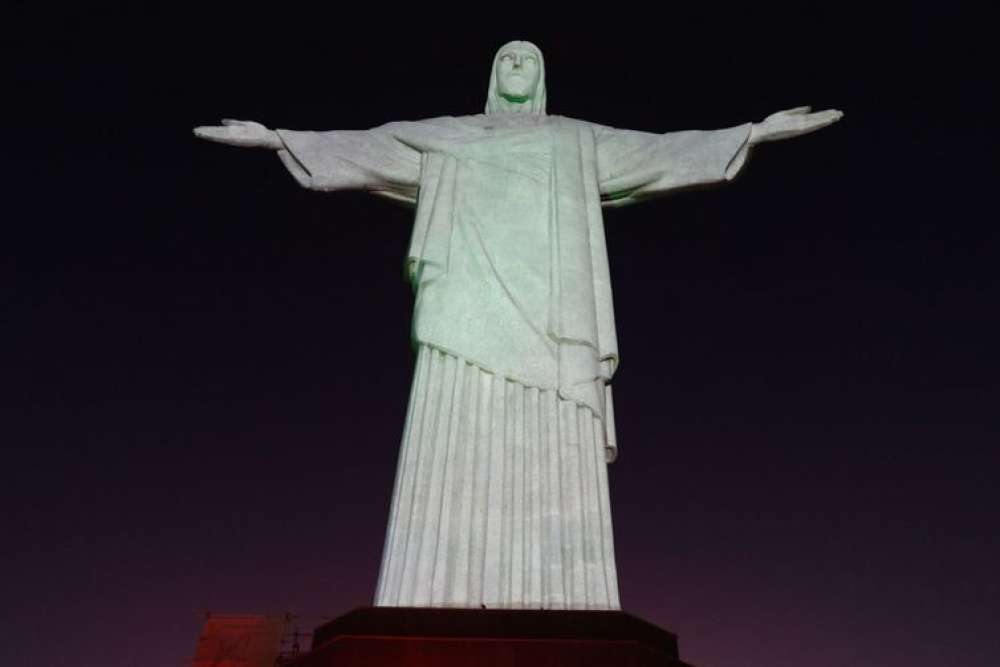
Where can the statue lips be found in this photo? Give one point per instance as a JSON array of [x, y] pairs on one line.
[[516, 82]]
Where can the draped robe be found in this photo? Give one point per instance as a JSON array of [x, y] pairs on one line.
[[501, 493]]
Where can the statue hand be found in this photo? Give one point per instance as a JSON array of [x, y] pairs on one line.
[[240, 133], [791, 123]]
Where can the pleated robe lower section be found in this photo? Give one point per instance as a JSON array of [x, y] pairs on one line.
[[501, 497]]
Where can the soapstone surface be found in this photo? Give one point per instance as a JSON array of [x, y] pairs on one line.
[[501, 496]]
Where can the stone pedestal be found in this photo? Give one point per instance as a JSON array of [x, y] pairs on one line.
[[411, 637]]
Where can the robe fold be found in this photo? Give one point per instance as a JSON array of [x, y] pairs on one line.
[[510, 268]]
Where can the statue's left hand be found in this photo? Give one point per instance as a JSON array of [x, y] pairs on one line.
[[244, 133], [791, 123]]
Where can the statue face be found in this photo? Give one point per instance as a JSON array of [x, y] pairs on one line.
[[518, 70]]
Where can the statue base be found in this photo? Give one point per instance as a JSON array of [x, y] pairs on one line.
[[408, 637]]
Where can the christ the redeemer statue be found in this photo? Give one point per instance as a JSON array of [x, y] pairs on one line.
[[501, 493]]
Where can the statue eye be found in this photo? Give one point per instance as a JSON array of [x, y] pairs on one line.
[[506, 56]]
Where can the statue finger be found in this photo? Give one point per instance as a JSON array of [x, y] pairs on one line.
[[818, 121], [785, 113], [214, 133], [826, 117], [232, 122], [207, 131]]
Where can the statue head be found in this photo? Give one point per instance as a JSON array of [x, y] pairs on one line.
[[517, 81]]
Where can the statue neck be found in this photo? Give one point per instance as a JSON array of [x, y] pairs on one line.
[[514, 105]]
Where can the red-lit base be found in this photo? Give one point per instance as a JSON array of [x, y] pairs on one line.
[[408, 637]]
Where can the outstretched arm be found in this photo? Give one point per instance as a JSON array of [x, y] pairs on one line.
[[792, 123], [635, 165], [372, 160], [244, 133]]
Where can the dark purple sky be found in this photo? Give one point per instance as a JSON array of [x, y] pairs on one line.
[[205, 368]]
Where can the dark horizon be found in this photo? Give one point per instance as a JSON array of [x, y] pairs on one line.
[[807, 400]]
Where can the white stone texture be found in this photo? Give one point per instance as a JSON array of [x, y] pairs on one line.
[[510, 268], [501, 495], [501, 498], [507, 256]]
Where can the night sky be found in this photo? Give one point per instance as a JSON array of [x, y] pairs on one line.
[[204, 368]]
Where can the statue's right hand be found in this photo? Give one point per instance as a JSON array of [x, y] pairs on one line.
[[245, 133]]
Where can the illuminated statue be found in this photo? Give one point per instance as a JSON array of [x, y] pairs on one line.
[[501, 495]]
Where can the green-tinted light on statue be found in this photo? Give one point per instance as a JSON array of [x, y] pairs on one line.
[[513, 325]]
